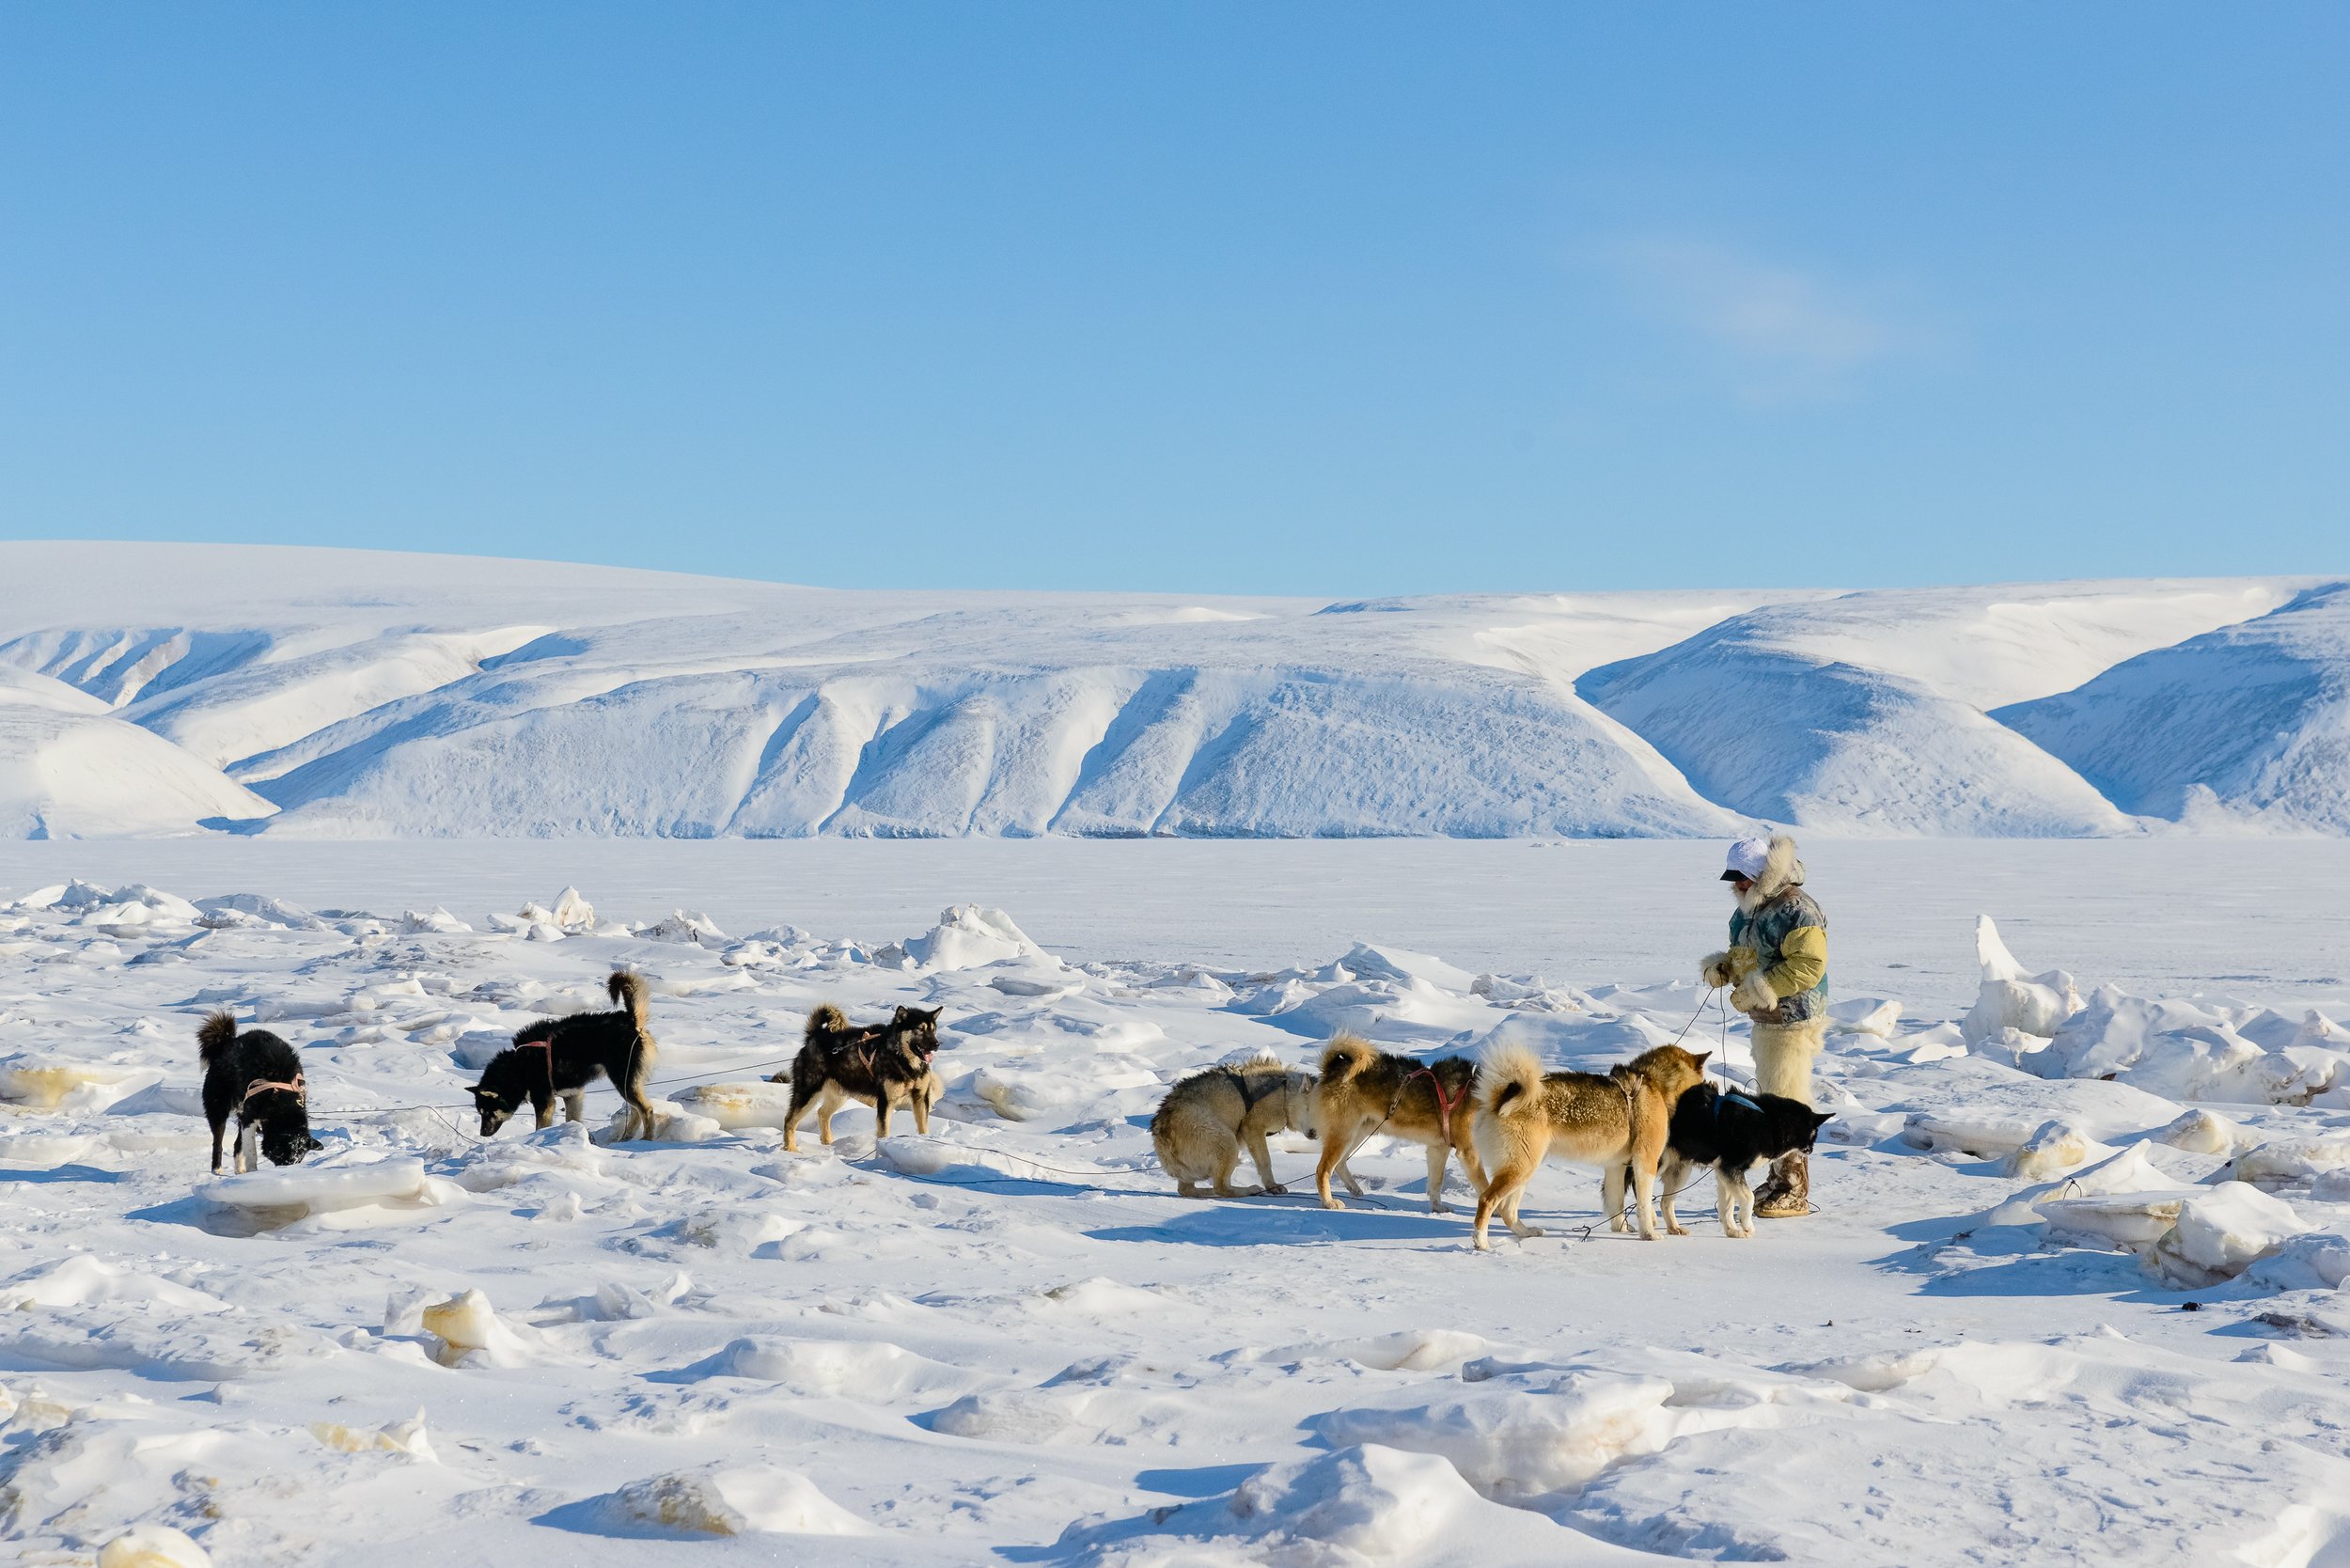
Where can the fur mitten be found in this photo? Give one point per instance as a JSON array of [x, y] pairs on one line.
[[1754, 994], [1725, 969]]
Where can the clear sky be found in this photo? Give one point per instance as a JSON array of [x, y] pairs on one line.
[[1346, 298]]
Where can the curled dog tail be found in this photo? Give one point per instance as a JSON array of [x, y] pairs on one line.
[[1508, 1081], [823, 1017], [628, 991], [1345, 1056], [215, 1035], [1509, 1091]]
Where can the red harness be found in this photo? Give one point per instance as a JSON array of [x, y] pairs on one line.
[[1444, 1102], [548, 1046]]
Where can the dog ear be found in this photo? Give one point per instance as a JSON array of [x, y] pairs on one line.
[[1821, 1118], [931, 1016], [1699, 1057], [311, 1145]]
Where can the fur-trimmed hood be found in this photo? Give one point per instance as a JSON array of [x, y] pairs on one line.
[[1781, 872]]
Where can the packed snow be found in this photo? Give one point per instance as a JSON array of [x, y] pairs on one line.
[[1008, 1341], [158, 689]]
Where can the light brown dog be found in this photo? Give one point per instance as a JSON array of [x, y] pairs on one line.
[[1365, 1090], [1202, 1126], [1619, 1122]]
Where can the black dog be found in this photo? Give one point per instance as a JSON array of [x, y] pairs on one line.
[[257, 1078], [1730, 1131], [561, 1056], [880, 1064]]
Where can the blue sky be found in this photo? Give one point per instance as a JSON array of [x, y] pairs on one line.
[[1315, 298]]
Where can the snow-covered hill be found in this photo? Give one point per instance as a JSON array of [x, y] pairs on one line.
[[2248, 722], [354, 693]]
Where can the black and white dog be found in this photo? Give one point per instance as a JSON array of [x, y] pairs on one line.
[[562, 1056], [256, 1077], [1731, 1130]]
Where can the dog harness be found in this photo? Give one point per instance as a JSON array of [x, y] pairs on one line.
[[548, 1046], [256, 1086], [1250, 1102], [1444, 1102]]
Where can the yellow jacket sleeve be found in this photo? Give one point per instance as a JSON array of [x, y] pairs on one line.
[[1802, 960]]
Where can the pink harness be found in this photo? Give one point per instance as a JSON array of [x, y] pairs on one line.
[[256, 1086]]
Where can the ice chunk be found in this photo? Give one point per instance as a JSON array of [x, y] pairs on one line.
[[468, 1326], [736, 1499], [255, 909], [967, 936], [2320, 1261], [43, 1152], [737, 1105], [154, 1547], [573, 914], [337, 1196], [2037, 1005], [2288, 1160], [671, 1123], [2223, 1230], [682, 925], [48, 1083], [436, 920], [2057, 1145], [2130, 1220], [2202, 1132], [406, 1437]]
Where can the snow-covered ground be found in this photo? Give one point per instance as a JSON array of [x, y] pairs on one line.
[[1010, 1341], [150, 689]]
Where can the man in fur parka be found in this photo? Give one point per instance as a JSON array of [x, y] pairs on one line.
[[1775, 967]]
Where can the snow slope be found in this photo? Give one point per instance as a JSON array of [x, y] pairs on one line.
[[361, 694], [1866, 714], [1008, 1341], [70, 769], [2249, 721]]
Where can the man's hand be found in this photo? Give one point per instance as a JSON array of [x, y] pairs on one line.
[[1754, 994], [1727, 969]]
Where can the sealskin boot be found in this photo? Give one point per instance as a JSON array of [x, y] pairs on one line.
[[1786, 1193]]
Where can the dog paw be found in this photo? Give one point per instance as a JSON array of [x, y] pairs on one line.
[[1676, 1230], [1439, 1207], [1332, 1203], [1526, 1233], [1277, 1190]]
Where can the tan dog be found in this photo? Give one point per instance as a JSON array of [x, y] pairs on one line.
[[1200, 1126], [1365, 1090], [1620, 1122]]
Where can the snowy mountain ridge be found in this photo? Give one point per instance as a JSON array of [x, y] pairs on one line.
[[179, 689]]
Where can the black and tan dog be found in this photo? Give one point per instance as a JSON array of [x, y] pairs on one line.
[[1730, 1131], [562, 1056], [256, 1077], [1620, 1121], [882, 1065], [1365, 1090]]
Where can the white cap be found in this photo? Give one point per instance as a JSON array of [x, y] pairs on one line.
[[1747, 857]]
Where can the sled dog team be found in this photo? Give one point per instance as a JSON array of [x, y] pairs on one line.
[[1654, 1118], [256, 1077]]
